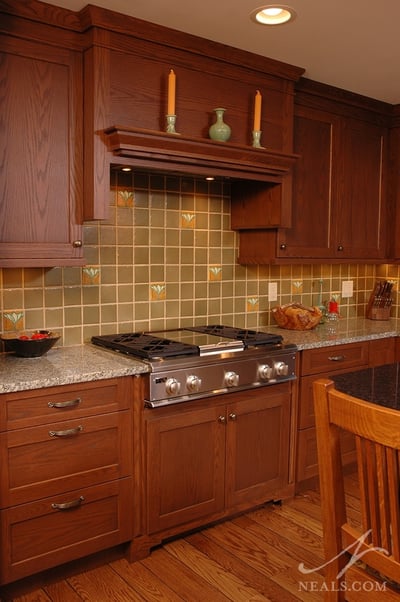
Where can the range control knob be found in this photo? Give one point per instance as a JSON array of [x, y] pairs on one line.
[[193, 383], [265, 372], [231, 379], [281, 369], [172, 386]]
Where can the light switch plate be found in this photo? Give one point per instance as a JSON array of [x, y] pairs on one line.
[[347, 289], [272, 291]]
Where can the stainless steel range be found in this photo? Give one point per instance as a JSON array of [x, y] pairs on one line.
[[195, 362]]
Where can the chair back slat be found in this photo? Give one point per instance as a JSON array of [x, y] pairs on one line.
[[377, 436]]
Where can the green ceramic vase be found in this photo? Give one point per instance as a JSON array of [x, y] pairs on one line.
[[220, 130]]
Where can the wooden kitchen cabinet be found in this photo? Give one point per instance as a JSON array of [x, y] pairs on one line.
[[338, 192], [66, 474], [324, 362], [41, 146], [339, 199], [209, 459]]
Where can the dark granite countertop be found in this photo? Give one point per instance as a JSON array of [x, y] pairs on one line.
[[378, 385]]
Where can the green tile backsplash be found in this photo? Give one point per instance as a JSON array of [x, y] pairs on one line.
[[166, 258]]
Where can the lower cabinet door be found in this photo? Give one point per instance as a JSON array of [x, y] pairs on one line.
[[55, 530], [185, 465], [307, 455], [258, 443]]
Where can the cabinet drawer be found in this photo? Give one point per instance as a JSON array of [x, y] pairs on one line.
[[44, 406], [336, 357], [37, 536], [46, 460]]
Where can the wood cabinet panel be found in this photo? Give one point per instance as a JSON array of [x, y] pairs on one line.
[[41, 150], [66, 473], [213, 458], [336, 357], [44, 406], [339, 200], [359, 212], [64, 455], [311, 233], [37, 535], [307, 456], [382, 351], [323, 363], [185, 459], [257, 433]]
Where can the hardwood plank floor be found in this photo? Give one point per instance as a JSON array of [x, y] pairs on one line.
[[251, 558]]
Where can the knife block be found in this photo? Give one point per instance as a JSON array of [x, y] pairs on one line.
[[375, 312], [378, 313]]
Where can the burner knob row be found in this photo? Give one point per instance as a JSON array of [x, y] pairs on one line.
[[266, 372], [231, 379], [193, 383], [172, 386]]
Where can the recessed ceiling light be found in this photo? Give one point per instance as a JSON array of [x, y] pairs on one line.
[[273, 14]]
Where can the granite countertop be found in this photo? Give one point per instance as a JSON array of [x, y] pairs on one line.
[[343, 331], [67, 365], [63, 366], [378, 385]]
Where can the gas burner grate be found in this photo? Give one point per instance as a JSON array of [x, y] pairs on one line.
[[145, 345], [250, 338]]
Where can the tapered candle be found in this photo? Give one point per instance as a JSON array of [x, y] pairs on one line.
[[171, 92], [257, 111]]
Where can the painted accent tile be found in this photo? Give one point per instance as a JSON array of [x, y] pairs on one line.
[[91, 274], [188, 220], [297, 287], [215, 273], [253, 304], [13, 320], [125, 198], [157, 291]]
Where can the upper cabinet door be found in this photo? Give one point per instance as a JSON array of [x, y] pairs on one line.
[[359, 216], [41, 154], [315, 134], [339, 189]]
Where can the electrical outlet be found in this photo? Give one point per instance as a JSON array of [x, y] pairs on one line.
[[272, 291], [347, 289]]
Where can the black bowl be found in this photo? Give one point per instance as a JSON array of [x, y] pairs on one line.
[[28, 347]]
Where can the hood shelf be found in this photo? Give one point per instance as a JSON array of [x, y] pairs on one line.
[[180, 154]]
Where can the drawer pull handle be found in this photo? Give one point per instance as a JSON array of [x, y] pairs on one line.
[[68, 505], [65, 404], [67, 432], [337, 358]]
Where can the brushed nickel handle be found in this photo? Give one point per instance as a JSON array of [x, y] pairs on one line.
[[340, 248], [221, 419], [65, 404], [336, 358], [232, 416], [67, 432], [77, 244], [68, 505], [282, 246]]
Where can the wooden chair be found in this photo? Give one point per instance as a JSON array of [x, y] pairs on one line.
[[376, 541]]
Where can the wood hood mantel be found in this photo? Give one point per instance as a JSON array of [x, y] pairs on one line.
[[181, 154]]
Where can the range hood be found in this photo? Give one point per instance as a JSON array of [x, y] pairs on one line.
[[161, 151]]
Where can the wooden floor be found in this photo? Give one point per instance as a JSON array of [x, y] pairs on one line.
[[253, 557]]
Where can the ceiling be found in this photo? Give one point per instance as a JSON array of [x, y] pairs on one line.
[[351, 44]]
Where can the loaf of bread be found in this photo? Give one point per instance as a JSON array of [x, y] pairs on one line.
[[295, 316]]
